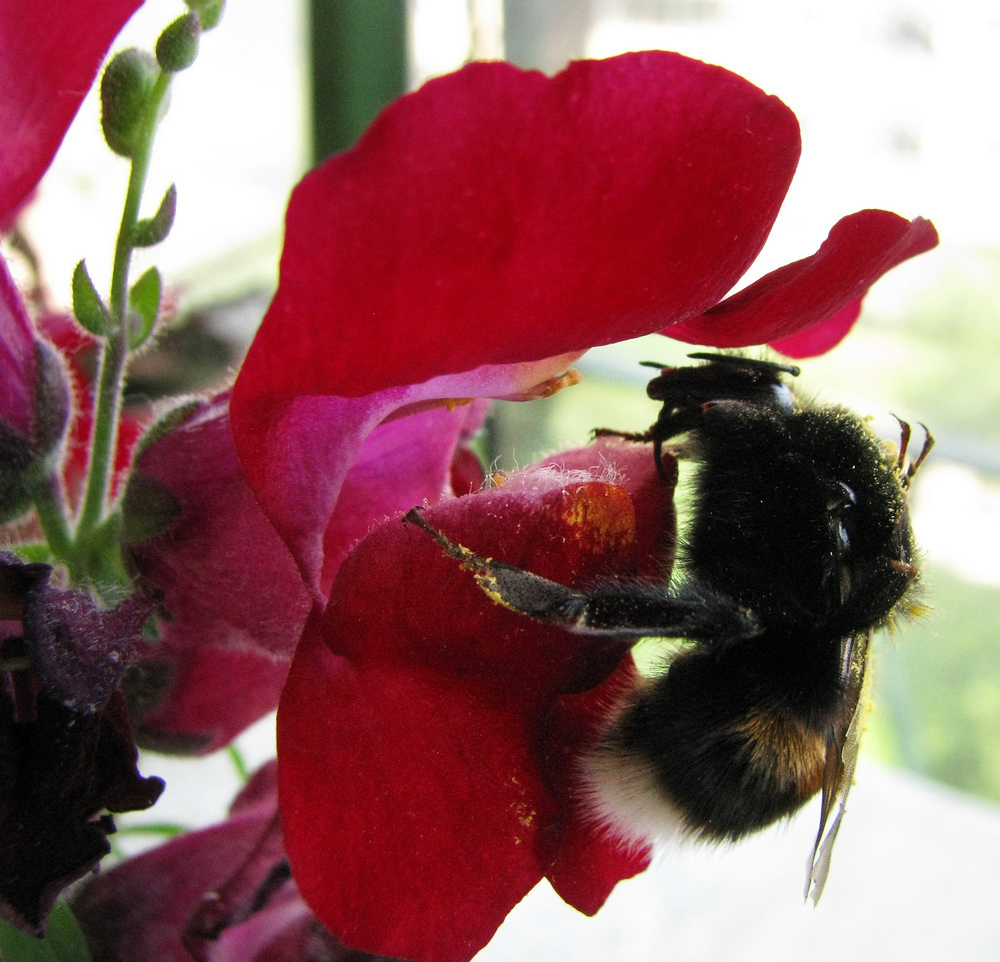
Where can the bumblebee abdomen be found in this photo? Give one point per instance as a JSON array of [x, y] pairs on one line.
[[698, 752]]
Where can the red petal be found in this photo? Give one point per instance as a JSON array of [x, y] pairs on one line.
[[490, 220], [202, 696], [860, 249], [202, 541], [821, 337], [49, 56], [417, 807], [591, 860], [497, 215]]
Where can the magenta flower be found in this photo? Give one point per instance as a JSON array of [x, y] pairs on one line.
[[221, 894], [485, 232], [231, 602]]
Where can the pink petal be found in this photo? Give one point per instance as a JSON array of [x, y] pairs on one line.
[[403, 462], [49, 56], [859, 250], [141, 910], [34, 403], [315, 452]]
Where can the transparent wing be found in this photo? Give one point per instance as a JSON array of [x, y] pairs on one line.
[[841, 761]]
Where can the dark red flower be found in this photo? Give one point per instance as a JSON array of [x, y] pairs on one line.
[[66, 749], [485, 232]]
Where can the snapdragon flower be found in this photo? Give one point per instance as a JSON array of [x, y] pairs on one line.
[[485, 232]]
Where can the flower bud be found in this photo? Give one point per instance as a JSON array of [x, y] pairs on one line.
[[125, 89], [34, 404], [177, 46], [209, 12]]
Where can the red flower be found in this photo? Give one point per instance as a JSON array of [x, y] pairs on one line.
[[484, 233], [450, 726]]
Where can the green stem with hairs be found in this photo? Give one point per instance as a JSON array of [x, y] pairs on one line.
[[114, 356]]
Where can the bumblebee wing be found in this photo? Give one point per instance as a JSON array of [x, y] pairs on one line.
[[841, 761]]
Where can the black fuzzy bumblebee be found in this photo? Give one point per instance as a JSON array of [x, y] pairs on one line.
[[798, 548]]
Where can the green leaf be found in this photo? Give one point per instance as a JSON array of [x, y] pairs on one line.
[[151, 230], [88, 308], [63, 941], [144, 306]]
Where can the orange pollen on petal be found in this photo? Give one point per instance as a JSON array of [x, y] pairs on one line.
[[601, 513], [453, 402], [555, 384]]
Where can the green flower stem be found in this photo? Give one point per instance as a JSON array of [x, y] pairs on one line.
[[114, 356], [50, 505]]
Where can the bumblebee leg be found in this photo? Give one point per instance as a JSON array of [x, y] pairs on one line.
[[612, 609], [641, 437]]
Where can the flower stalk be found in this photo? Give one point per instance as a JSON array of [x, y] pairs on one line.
[[50, 505], [114, 355]]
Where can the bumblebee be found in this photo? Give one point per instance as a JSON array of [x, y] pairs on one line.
[[798, 548]]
